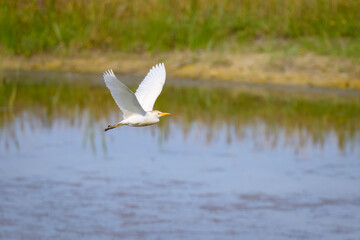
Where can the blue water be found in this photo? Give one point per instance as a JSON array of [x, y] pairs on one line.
[[63, 181]]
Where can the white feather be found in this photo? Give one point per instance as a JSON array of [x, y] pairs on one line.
[[151, 87], [123, 96]]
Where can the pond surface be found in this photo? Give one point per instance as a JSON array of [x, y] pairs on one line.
[[231, 162]]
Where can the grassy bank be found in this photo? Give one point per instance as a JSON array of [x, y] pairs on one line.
[[330, 27], [303, 69]]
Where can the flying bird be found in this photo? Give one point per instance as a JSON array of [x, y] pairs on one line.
[[137, 108]]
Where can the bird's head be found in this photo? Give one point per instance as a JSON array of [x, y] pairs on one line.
[[158, 113]]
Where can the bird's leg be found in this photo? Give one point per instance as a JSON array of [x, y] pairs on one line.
[[113, 126]]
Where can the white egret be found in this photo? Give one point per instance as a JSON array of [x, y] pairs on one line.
[[137, 108]]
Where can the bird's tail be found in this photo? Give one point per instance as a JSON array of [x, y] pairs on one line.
[[113, 126]]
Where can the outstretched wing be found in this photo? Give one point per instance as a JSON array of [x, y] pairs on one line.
[[123, 96], [150, 88]]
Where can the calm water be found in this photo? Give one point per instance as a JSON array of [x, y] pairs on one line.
[[231, 162]]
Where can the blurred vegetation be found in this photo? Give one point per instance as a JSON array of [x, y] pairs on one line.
[[270, 116], [322, 26]]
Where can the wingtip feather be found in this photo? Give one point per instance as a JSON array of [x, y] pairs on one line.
[[108, 72]]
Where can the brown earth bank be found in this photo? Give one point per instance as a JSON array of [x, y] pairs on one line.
[[271, 68]]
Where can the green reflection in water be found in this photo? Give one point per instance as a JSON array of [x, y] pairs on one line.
[[268, 114]]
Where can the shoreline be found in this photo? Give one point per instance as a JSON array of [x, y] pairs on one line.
[[305, 69]]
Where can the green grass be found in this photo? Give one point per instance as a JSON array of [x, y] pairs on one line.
[[323, 26]]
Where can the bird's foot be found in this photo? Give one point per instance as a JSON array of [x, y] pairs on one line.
[[113, 126]]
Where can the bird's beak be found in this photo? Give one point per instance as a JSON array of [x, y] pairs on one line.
[[164, 114]]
